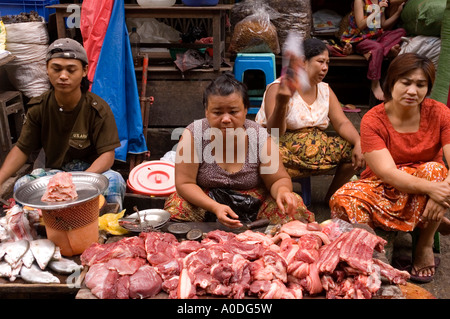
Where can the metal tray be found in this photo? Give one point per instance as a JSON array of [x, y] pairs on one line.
[[150, 219], [88, 186]]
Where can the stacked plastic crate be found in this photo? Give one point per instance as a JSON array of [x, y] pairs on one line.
[[14, 7]]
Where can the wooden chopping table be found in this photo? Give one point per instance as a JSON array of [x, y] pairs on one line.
[[68, 288], [69, 284], [216, 13]]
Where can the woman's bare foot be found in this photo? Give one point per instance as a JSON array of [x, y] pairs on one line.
[[367, 55], [424, 266], [394, 51], [377, 91], [423, 262], [347, 49]]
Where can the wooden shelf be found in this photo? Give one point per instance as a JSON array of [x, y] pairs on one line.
[[171, 72], [216, 13]]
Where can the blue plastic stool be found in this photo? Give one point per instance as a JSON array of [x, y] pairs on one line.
[[264, 62]]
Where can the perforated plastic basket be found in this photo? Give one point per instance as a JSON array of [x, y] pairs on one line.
[[72, 217], [73, 229]]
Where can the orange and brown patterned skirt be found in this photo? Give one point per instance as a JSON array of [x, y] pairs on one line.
[[377, 204], [310, 151], [180, 209]]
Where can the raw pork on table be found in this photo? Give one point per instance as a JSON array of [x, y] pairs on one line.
[[301, 259]]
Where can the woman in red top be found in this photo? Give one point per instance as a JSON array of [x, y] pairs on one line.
[[406, 184]]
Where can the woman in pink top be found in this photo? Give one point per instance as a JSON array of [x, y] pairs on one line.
[[406, 184]]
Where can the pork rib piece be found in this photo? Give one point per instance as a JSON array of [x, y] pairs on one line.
[[355, 248], [358, 248]]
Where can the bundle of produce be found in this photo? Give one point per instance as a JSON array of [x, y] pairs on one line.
[[255, 33]]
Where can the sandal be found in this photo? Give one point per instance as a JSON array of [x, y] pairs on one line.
[[402, 263], [350, 108], [424, 279]]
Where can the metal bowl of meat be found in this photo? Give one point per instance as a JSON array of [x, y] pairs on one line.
[[145, 220], [88, 186]]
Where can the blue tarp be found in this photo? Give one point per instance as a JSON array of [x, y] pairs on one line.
[[115, 82]]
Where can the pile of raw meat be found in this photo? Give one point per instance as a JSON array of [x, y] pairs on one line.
[[60, 188], [300, 260]]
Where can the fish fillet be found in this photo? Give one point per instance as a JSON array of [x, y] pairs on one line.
[[15, 250], [43, 251], [64, 266], [37, 276]]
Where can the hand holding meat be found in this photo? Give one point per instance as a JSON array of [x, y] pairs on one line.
[[285, 91], [383, 4], [291, 78]]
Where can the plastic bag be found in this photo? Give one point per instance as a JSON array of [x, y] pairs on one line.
[[326, 21], [193, 34], [170, 156], [293, 48], [292, 15], [29, 78], [28, 42], [335, 227], [422, 17], [151, 30], [192, 59], [27, 33], [423, 45], [245, 206], [255, 33]]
